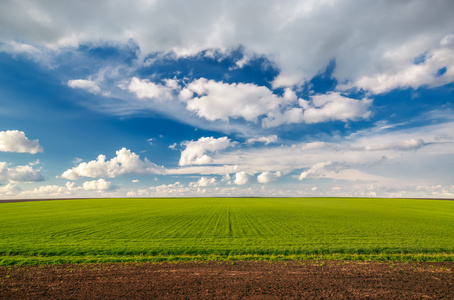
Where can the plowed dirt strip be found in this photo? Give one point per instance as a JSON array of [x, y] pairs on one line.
[[231, 280]]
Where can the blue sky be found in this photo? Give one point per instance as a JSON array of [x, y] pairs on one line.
[[238, 98]]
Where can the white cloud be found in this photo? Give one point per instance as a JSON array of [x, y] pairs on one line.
[[9, 189], [326, 107], [410, 74], [290, 34], [16, 47], [16, 141], [226, 178], [205, 169], [98, 185], [214, 100], [165, 190], [19, 173], [267, 177], [390, 158], [71, 186], [204, 182], [437, 190], [46, 191], [317, 170], [411, 144], [339, 172], [264, 139], [195, 152], [88, 85], [241, 178], [334, 106], [69, 190], [144, 89], [125, 163]]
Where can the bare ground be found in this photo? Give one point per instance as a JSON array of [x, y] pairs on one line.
[[231, 280]]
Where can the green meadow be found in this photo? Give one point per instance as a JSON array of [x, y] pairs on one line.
[[135, 230]]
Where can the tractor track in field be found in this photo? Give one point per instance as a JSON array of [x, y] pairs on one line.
[[231, 280]]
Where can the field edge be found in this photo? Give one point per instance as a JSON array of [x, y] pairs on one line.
[[53, 260]]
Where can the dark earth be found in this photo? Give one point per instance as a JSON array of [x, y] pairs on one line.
[[231, 280]]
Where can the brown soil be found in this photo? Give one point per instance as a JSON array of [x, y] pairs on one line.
[[231, 280]]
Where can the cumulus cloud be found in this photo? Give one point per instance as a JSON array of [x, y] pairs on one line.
[[195, 151], [125, 163], [16, 141], [47, 191], [267, 177], [204, 182], [241, 178], [331, 106], [19, 173], [98, 185], [334, 106], [145, 89], [264, 139], [71, 186], [9, 189], [88, 85], [215, 100], [387, 154]]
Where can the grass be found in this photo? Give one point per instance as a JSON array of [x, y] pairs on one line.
[[122, 230]]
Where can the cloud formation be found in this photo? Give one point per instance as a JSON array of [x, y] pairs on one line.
[[9, 190], [263, 139], [19, 173], [204, 182], [145, 89], [426, 73], [195, 151], [214, 100], [98, 185], [317, 170], [407, 145], [267, 177], [88, 85], [16, 141], [380, 155], [252, 70], [241, 178], [331, 106], [367, 40], [125, 163]]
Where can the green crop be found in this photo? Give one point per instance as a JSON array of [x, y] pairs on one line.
[[107, 230]]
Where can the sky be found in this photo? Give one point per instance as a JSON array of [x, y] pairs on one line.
[[154, 98]]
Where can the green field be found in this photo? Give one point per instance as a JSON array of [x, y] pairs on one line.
[[114, 230]]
